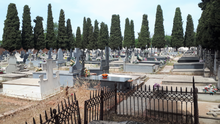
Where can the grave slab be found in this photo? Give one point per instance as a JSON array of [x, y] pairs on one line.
[[195, 65], [142, 68]]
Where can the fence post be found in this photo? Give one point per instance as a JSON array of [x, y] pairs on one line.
[[115, 98], [85, 113], [196, 111], [195, 101], [101, 105], [56, 116], [78, 113]]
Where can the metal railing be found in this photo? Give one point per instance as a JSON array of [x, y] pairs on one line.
[[69, 113]]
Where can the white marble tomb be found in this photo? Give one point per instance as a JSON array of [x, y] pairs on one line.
[[33, 88]]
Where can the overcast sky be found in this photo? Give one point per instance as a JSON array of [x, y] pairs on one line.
[[102, 10]]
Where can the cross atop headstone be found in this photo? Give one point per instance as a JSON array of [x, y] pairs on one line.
[[49, 68], [77, 55]]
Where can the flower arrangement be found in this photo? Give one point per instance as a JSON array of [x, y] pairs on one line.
[[87, 72], [72, 62], [156, 86], [1, 70], [104, 76], [130, 80], [38, 69], [210, 88], [135, 61]]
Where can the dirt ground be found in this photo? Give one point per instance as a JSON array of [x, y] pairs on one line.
[[8, 106]]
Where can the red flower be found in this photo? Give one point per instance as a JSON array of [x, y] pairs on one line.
[[71, 94]]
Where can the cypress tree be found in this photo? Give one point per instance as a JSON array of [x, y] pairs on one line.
[[103, 39], [11, 33], [159, 37], [88, 25], [189, 34], [78, 38], [96, 34], [62, 36], [50, 36], [39, 42], [208, 29], [115, 39], [91, 44], [127, 34], [132, 34], [144, 35], [70, 42], [85, 34], [177, 31], [27, 35]]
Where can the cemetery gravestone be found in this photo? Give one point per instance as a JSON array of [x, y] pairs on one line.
[[60, 59], [77, 65], [11, 65]]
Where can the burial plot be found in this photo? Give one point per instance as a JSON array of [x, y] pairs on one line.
[[141, 68], [65, 78], [111, 80], [104, 66], [35, 89], [188, 59]]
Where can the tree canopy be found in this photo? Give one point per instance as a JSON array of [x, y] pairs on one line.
[[177, 31], [27, 33], [159, 37], [11, 33]]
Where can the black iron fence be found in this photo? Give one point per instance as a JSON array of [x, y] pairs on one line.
[[68, 113], [165, 104], [99, 104]]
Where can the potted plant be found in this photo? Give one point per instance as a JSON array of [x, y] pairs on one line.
[[104, 76], [87, 72]]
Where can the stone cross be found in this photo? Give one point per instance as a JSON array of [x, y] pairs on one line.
[[77, 55], [70, 55], [49, 68]]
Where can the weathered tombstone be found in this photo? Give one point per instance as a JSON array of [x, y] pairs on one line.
[[70, 55], [60, 59], [25, 57], [11, 65], [22, 54], [77, 65], [105, 63], [49, 54]]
